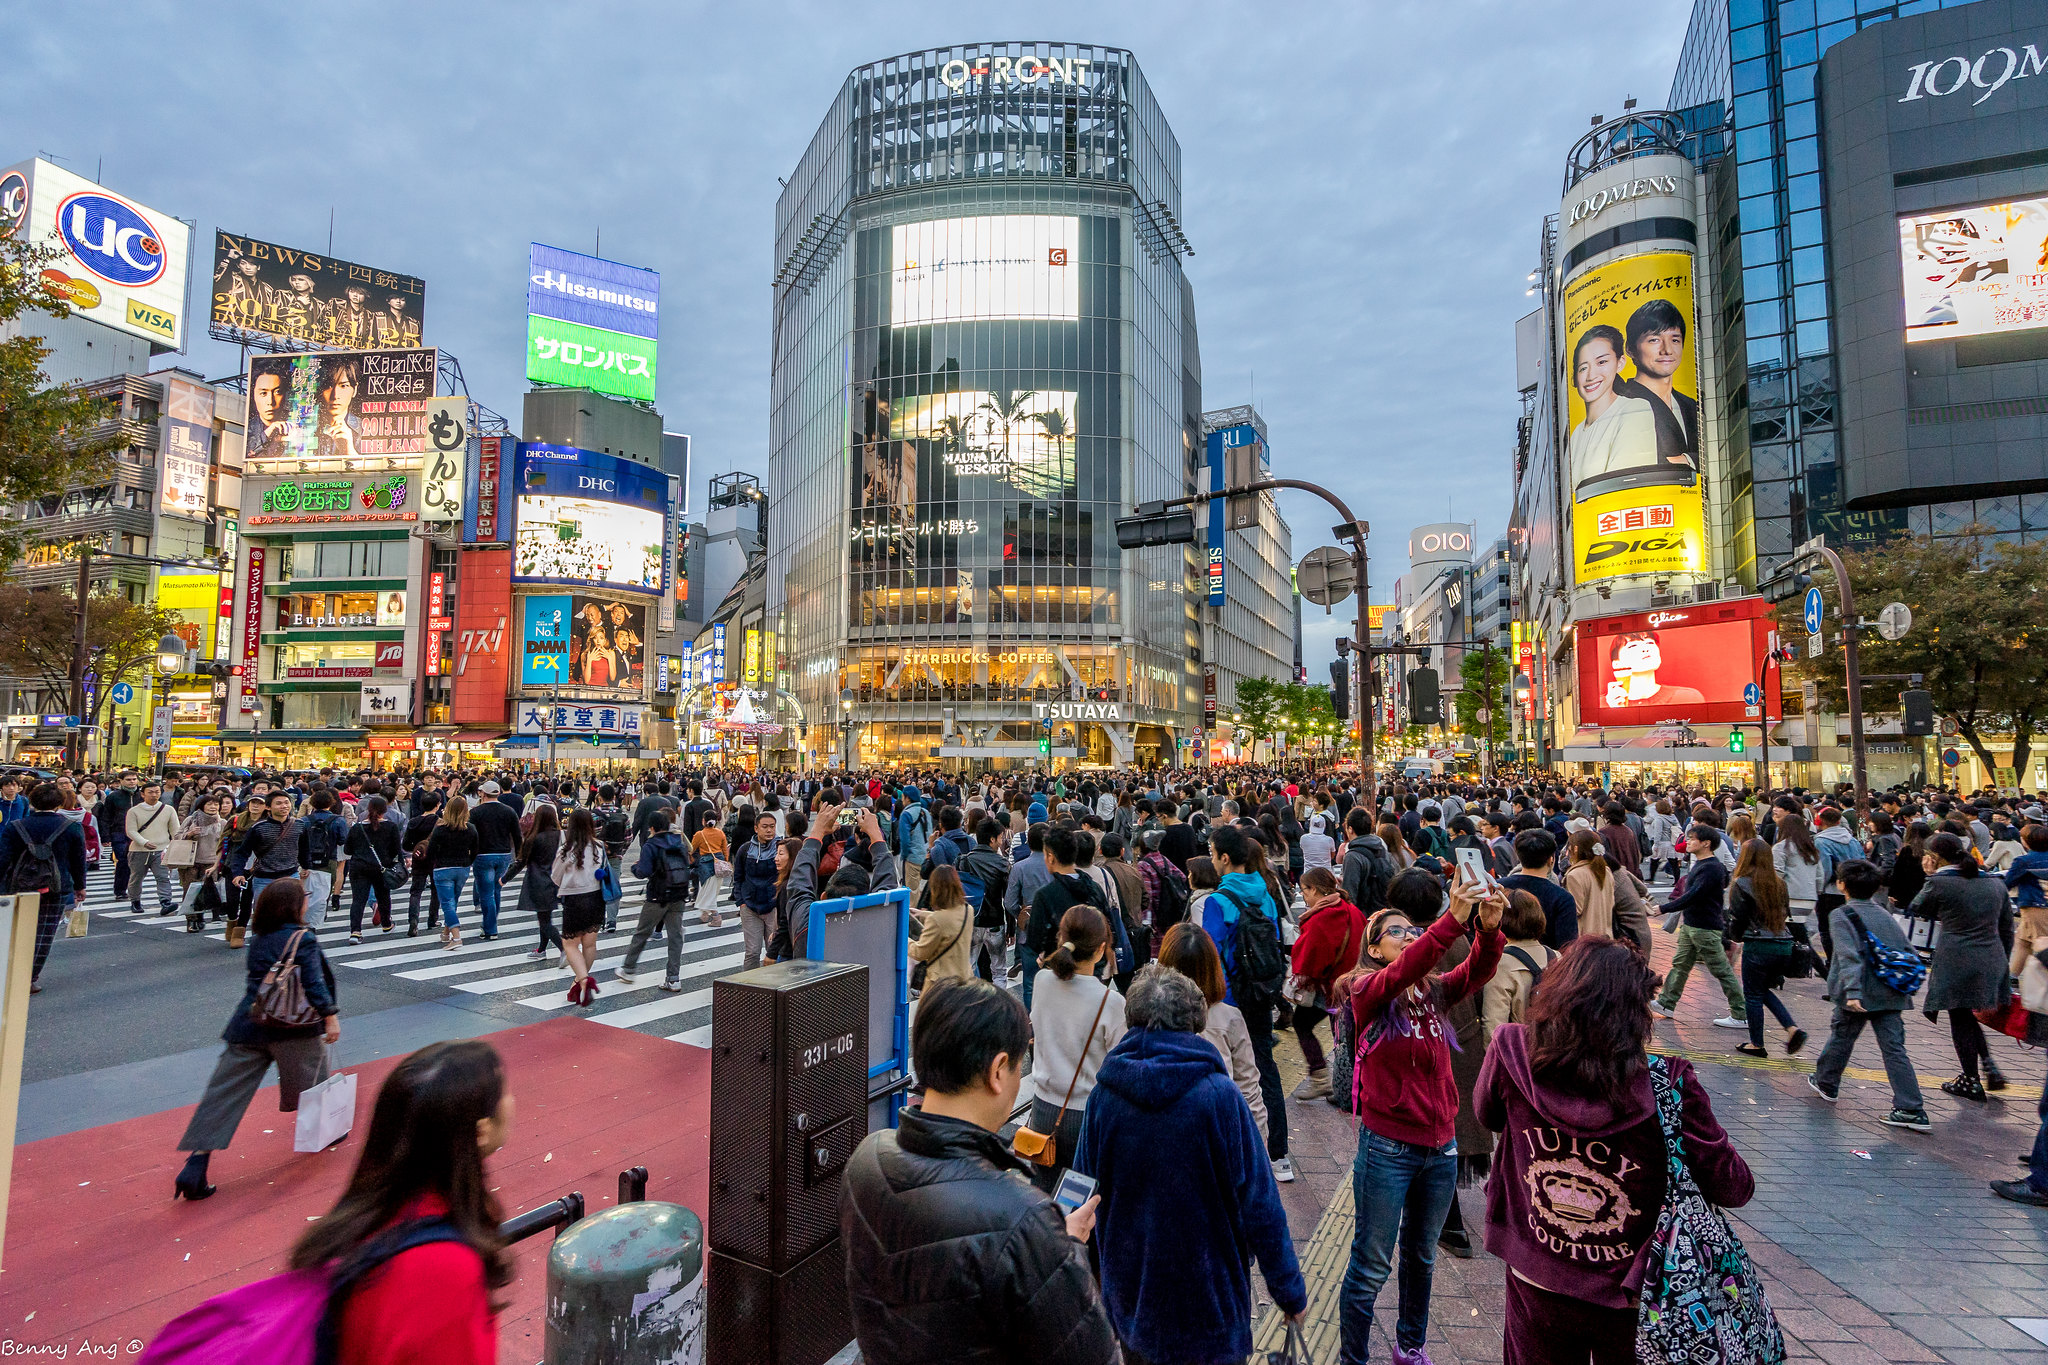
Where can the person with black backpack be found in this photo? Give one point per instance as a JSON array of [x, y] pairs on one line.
[[1245, 923], [1368, 865], [43, 852], [666, 865]]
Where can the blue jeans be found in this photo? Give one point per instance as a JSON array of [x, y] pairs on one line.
[[490, 875], [1400, 1191], [448, 883], [256, 885]]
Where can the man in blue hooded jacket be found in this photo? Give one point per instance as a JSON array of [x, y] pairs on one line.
[[1164, 1088]]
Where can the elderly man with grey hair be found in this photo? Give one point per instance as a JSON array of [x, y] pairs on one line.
[[1164, 1088]]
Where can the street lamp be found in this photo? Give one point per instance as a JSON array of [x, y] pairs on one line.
[[170, 662], [846, 726]]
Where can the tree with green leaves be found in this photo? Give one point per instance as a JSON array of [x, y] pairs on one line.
[[1258, 702], [1304, 711], [36, 634], [1482, 676], [47, 437], [1979, 638]]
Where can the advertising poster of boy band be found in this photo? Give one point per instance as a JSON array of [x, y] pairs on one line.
[[1632, 392], [339, 404], [259, 286]]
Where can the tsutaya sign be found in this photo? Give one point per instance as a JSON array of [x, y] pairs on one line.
[[1105, 711], [1016, 71]]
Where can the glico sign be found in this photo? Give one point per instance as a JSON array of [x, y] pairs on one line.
[[1016, 71]]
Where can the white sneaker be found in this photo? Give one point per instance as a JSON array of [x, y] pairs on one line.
[[1283, 1170], [622, 974], [672, 986], [1726, 1021]]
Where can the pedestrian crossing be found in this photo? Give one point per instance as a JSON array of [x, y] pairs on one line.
[[507, 970]]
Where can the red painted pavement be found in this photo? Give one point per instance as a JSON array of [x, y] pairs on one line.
[[97, 1249]]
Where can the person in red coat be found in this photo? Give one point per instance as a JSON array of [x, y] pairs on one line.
[[1332, 933], [440, 1113]]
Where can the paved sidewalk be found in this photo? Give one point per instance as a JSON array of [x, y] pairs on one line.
[[1876, 1245]]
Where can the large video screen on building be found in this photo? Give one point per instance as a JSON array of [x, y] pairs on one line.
[[1632, 395], [1976, 271], [280, 291], [586, 517], [1687, 664], [1005, 265], [338, 405]]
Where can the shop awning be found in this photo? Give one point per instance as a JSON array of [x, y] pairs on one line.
[[478, 736]]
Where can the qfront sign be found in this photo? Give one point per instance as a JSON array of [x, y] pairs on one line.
[[1982, 77], [993, 71]]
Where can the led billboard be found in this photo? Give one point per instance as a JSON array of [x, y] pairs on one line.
[[1000, 266], [338, 405], [185, 441], [1687, 664], [121, 264], [584, 517], [586, 642], [1975, 271], [1632, 385], [262, 288], [591, 323]]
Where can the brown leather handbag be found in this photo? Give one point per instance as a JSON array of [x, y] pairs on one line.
[[1040, 1149]]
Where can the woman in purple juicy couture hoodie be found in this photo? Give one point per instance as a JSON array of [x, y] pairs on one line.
[[1579, 1174]]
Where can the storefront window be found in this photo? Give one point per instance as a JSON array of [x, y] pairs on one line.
[[347, 559], [322, 710], [322, 659], [303, 611]]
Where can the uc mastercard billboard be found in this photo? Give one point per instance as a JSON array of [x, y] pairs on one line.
[[122, 264], [1690, 664], [1632, 407]]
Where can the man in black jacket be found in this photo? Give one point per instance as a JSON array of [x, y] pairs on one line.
[[1368, 864], [114, 826], [1699, 905], [948, 1254], [497, 838]]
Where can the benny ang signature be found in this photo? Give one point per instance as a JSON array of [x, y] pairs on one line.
[[85, 1348]]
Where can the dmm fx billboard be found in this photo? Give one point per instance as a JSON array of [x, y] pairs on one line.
[[591, 323], [1633, 456], [583, 642], [584, 517], [119, 263]]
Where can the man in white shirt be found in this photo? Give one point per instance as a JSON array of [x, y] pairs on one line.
[[152, 824]]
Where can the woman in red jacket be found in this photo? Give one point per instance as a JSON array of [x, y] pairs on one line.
[[1332, 935], [1406, 1171], [1580, 1173], [441, 1112]]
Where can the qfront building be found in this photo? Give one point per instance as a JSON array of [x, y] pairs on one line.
[[982, 343]]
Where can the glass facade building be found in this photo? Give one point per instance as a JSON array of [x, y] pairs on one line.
[[980, 341], [1759, 59]]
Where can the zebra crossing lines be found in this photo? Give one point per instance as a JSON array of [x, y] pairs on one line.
[[652, 972]]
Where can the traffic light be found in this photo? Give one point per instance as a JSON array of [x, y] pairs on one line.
[[1045, 746], [1340, 688], [1919, 709], [1241, 468], [1736, 743], [1425, 707], [1151, 524]]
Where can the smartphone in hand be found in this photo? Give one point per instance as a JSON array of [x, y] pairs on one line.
[[1073, 1190], [1472, 867]]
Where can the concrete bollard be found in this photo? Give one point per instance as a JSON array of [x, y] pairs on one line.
[[626, 1287]]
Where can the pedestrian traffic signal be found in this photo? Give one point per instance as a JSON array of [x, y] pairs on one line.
[[1151, 524], [1045, 746], [1736, 742], [1919, 709], [1340, 689], [1425, 706]]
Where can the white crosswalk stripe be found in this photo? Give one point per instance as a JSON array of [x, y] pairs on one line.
[[506, 970]]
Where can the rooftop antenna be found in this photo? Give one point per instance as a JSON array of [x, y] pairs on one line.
[[599, 249], [330, 229], [97, 167], [1628, 104]]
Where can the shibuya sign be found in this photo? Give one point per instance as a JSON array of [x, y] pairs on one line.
[[1016, 71]]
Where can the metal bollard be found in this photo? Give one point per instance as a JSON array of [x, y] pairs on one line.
[[626, 1287]]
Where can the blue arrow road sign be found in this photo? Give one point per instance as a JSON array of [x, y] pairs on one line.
[[1752, 695], [123, 694], [1814, 611]]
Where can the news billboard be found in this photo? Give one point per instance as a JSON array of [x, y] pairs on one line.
[[591, 323], [582, 517], [316, 300], [1977, 271], [338, 405], [1687, 664], [1632, 408], [121, 263], [570, 640]]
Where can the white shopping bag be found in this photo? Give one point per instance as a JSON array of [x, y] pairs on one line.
[[326, 1113]]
